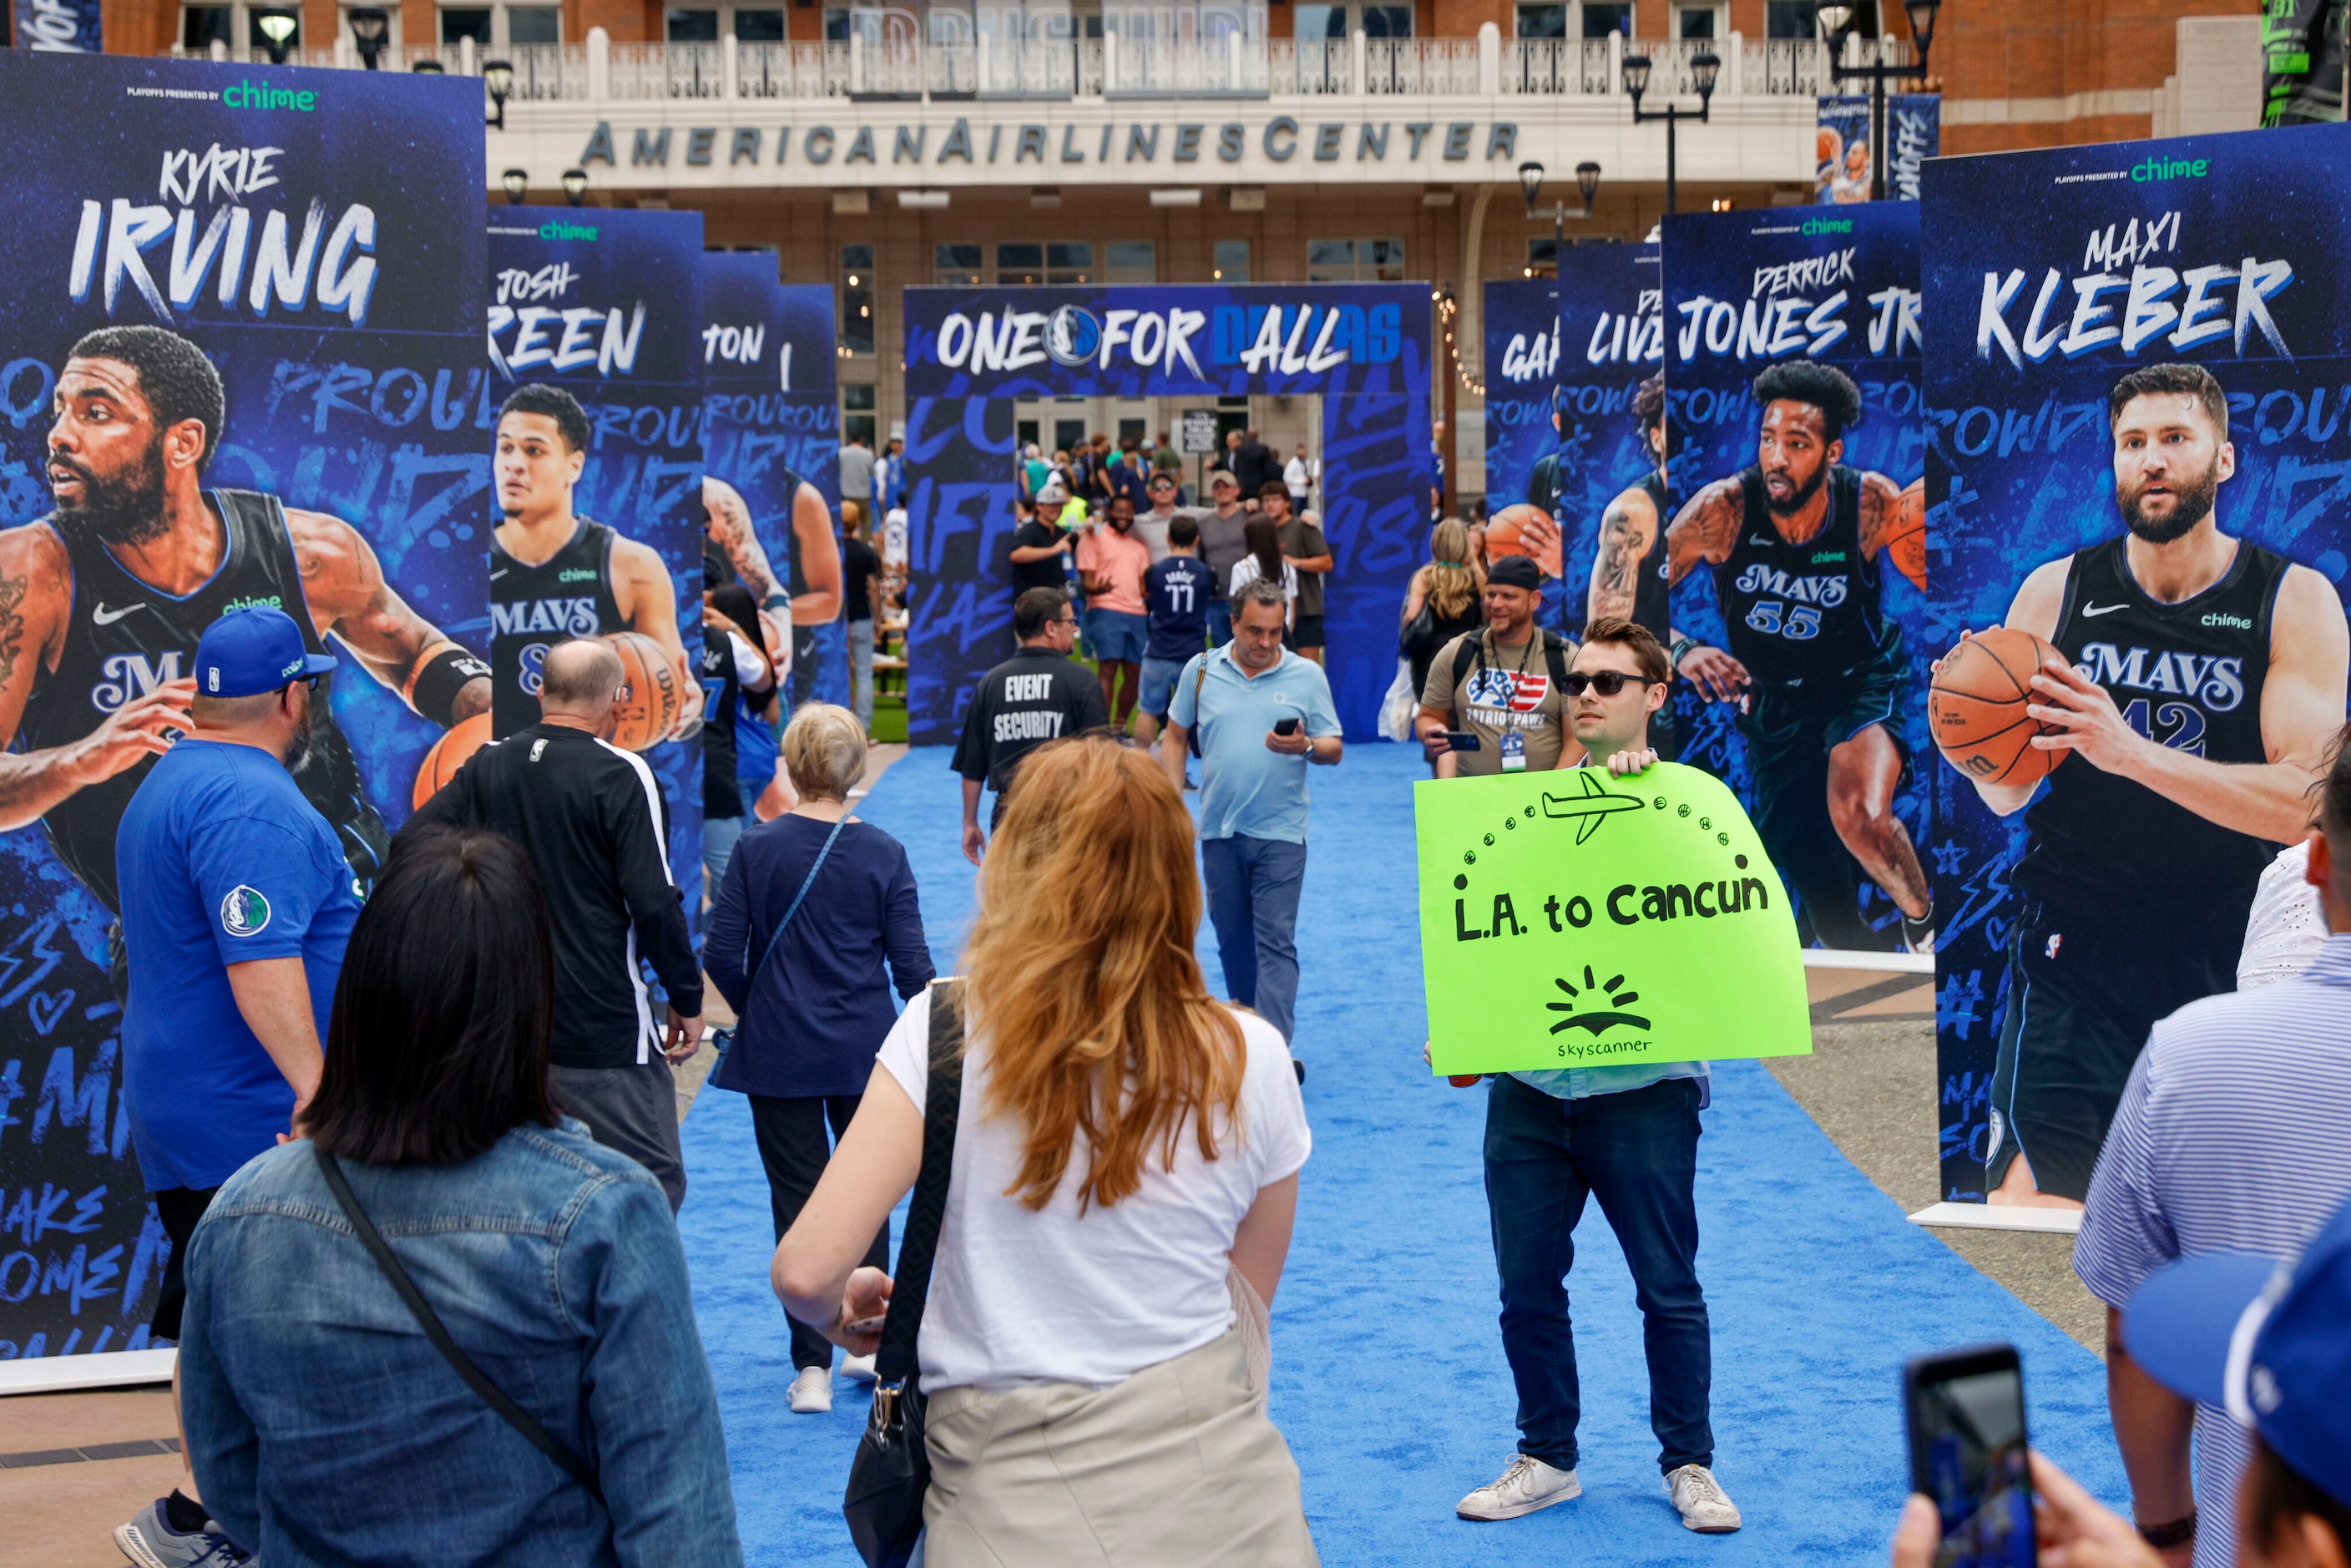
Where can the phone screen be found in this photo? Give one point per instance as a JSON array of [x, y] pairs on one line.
[[1285, 726], [1969, 1454]]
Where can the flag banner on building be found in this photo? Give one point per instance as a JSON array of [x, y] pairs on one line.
[[59, 27], [1561, 435], [1363, 349], [341, 313], [2128, 346], [1914, 133], [600, 309], [2301, 61], [1793, 344]]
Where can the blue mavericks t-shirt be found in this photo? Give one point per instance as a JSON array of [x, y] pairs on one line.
[[1176, 591], [222, 860]]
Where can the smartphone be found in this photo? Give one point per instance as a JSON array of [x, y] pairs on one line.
[[1285, 726], [865, 1325], [1463, 740], [1965, 1410]]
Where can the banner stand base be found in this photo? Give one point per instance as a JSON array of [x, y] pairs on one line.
[[1885, 962], [2000, 1216], [104, 1369]]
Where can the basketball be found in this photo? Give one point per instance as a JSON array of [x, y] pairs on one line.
[[1975, 709], [650, 697], [1906, 538], [1526, 530], [449, 753]]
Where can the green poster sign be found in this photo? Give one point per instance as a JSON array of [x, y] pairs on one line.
[[1570, 919]]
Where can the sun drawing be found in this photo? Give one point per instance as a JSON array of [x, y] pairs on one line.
[[1597, 1022]]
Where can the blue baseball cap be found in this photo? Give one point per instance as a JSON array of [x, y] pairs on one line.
[[2261, 1341], [248, 652]]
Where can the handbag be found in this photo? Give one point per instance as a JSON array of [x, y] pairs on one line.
[[491, 1394], [751, 984], [1401, 705], [892, 1471]]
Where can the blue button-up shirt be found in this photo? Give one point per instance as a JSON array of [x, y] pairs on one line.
[[1245, 790]]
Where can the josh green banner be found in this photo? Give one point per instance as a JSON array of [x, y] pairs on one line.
[[1572, 919]]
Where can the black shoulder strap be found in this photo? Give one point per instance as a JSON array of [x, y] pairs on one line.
[[942, 1103], [512, 1414], [1465, 653], [1555, 657]]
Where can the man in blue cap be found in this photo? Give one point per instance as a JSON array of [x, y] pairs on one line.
[[236, 904], [2241, 1333]]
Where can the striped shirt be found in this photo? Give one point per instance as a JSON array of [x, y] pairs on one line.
[[2233, 1136]]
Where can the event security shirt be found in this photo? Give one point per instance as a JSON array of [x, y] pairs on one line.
[[1247, 790], [222, 860], [1177, 589], [1032, 697]]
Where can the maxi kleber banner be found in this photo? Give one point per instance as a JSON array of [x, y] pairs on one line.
[[310, 243], [1792, 343], [2139, 360], [602, 309]]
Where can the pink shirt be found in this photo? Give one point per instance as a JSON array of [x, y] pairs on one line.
[[1122, 558]]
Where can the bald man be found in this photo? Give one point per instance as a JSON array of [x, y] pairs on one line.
[[594, 824]]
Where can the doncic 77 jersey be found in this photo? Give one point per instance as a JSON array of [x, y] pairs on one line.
[[1801, 612], [532, 608]]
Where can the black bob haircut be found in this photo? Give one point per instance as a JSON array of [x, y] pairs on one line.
[[2176, 377], [570, 419], [174, 376], [437, 1045], [1035, 608], [1825, 387]]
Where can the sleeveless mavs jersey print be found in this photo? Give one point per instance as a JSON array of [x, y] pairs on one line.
[[533, 607], [123, 639], [2188, 676], [1801, 612], [1651, 593]]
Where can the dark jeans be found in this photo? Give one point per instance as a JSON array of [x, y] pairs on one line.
[[1637, 1153], [793, 1148], [1253, 888]]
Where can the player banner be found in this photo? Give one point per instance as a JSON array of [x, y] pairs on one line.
[[596, 350], [1573, 919], [1563, 434], [193, 242], [2139, 360], [812, 450], [1793, 346], [1914, 133]]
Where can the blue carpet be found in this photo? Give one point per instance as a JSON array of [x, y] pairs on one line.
[[1389, 1379]]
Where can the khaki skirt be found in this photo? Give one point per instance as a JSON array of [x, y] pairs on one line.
[[1178, 1466]]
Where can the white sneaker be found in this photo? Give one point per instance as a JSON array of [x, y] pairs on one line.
[[858, 1368], [812, 1391], [1528, 1484], [1700, 1499]]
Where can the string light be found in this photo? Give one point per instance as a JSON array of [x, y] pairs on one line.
[[1449, 308]]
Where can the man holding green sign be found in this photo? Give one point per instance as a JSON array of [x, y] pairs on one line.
[[1590, 937]]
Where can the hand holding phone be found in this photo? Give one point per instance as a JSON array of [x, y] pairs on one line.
[[1286, 726], [1464, 740], [866, 1325], [1968, 1455]]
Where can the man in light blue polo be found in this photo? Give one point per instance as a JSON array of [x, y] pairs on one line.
[[237, 905], [1263, 713]]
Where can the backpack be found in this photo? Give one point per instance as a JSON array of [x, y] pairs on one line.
[[1555, 657]]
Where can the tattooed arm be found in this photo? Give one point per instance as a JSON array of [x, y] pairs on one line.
[[36, 601], [646, 597], [1627, 528], [1882, 514], [820, 557], [727, 521], [1704, 532], [345, 585]]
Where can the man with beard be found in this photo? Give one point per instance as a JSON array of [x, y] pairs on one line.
[[2206, 679], [1795, 539], [102, 602]]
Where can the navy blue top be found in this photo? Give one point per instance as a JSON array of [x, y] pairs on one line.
[[823, 1003], [1177, 592]]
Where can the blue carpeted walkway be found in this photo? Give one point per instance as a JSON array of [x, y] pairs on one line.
[[1388, 1373]]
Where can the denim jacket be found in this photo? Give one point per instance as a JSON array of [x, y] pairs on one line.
[[324, 1428]]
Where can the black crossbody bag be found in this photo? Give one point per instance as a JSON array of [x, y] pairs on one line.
[[892, 1471], [512, 1414]]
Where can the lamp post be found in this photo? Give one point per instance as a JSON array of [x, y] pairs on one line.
[[276, 29], [1704, 68], [498, 77], [575, 185], [517, 184], [429, 68], [1835, 22], [1587, 180], [370, 24]]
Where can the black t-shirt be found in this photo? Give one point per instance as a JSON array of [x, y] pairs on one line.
[[1043, 574], [1032, 697], [858, 566]]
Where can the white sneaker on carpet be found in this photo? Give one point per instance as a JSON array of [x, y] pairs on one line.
[[812, 1392], [858, 1368], [1700, 1499], [1527, 1485]]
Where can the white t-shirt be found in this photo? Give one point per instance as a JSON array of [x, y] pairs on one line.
[[1026, 1296], [1246, 570]]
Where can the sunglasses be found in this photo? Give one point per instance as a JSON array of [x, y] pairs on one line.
[[1607, 683]]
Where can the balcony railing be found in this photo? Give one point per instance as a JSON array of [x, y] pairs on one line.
[[1114, 67]]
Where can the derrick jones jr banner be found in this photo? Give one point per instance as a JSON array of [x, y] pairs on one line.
[[316, 237], [1792, 349], [2139, 360]]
